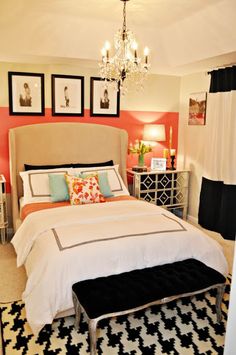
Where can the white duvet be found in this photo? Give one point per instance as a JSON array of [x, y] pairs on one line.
[[68, 244]]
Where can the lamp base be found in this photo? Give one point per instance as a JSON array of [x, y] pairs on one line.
[[139, 169]]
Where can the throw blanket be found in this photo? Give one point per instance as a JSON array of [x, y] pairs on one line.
[[65, 245], [34, 207]]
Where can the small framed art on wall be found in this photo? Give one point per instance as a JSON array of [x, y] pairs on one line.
[[197, 108], [26, 93], [67, 95], [104, 98]]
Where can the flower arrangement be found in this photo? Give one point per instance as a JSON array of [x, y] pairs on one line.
[[140, 148]]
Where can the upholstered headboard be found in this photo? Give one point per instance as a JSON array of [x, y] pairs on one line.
[[59, 143]]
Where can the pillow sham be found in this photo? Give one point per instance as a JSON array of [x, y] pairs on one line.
[[46, 167], [36, 184], [58, 188], [116, 183], [84, 190], [74, 165], [92, 165], [102, 181]]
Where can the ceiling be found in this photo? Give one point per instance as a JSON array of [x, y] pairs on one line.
[[184, 36]]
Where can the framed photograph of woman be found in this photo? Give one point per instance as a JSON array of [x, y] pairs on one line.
[[67, 95], [104, 98], [26, 93]]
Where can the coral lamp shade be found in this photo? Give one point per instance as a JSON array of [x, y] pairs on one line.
[[154, 133]]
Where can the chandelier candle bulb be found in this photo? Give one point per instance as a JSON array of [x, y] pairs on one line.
[[107, 45]]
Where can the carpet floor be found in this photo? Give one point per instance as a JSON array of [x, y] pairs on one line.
[[13, 279], [186, 327]]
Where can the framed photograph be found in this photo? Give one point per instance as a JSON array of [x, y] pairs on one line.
[[158, 164], [67, 95], [197, 109], [104, 98], [26, 93]]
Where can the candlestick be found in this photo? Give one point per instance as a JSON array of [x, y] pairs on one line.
[[135, 47], [107, 47], [172, 157], [146, 52]]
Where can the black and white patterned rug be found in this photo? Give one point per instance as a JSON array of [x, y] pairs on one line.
[[187, 326]]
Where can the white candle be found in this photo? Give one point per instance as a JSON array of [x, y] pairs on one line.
[[172, 152]]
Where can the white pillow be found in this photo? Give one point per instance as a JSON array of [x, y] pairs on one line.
[[36, 184], [116, 183]]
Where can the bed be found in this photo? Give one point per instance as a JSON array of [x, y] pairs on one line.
[[61, 246]]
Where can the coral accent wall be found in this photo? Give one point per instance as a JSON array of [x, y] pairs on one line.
[[131, 121]]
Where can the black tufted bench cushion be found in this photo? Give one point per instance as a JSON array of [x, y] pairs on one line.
[[130, 291]]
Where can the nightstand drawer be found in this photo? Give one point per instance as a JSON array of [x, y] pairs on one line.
[[163, 188]]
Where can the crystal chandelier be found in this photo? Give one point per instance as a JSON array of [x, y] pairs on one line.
[[125, 68]]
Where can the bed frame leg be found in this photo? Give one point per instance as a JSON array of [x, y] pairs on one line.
[[77, 310], [219, 297], [93, 336]]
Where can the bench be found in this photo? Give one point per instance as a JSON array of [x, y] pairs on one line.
[[132, 291]]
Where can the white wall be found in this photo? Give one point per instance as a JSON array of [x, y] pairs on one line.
[[160, 92], [192, 138]]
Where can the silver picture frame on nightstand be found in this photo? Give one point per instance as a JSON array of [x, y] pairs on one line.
[[158, 164]]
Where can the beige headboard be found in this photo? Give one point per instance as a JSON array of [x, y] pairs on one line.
[[58, 143]]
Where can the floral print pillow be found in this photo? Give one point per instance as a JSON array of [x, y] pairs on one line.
[[84, 190]]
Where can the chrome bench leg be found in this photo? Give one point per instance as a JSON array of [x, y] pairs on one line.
[[77, 310], [93, 335], [219, 297]]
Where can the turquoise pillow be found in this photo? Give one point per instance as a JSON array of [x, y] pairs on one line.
[[58, 188], [102, 181]]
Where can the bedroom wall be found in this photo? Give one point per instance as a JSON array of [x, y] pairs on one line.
[[192, 139], [157, 103]]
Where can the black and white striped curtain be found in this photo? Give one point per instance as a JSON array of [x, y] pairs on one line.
[[217, 208]]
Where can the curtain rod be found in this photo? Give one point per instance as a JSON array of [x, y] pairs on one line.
[[223, 66]]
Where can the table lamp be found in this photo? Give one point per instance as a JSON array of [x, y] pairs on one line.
[[154, 133]]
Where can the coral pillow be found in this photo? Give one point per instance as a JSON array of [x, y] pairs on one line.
[[84, 191]]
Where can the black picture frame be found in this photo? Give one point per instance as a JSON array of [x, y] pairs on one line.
[[110, 106], [26, 94], [67, 95]]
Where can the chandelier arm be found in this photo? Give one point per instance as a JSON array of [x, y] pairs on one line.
[[124, 17]]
